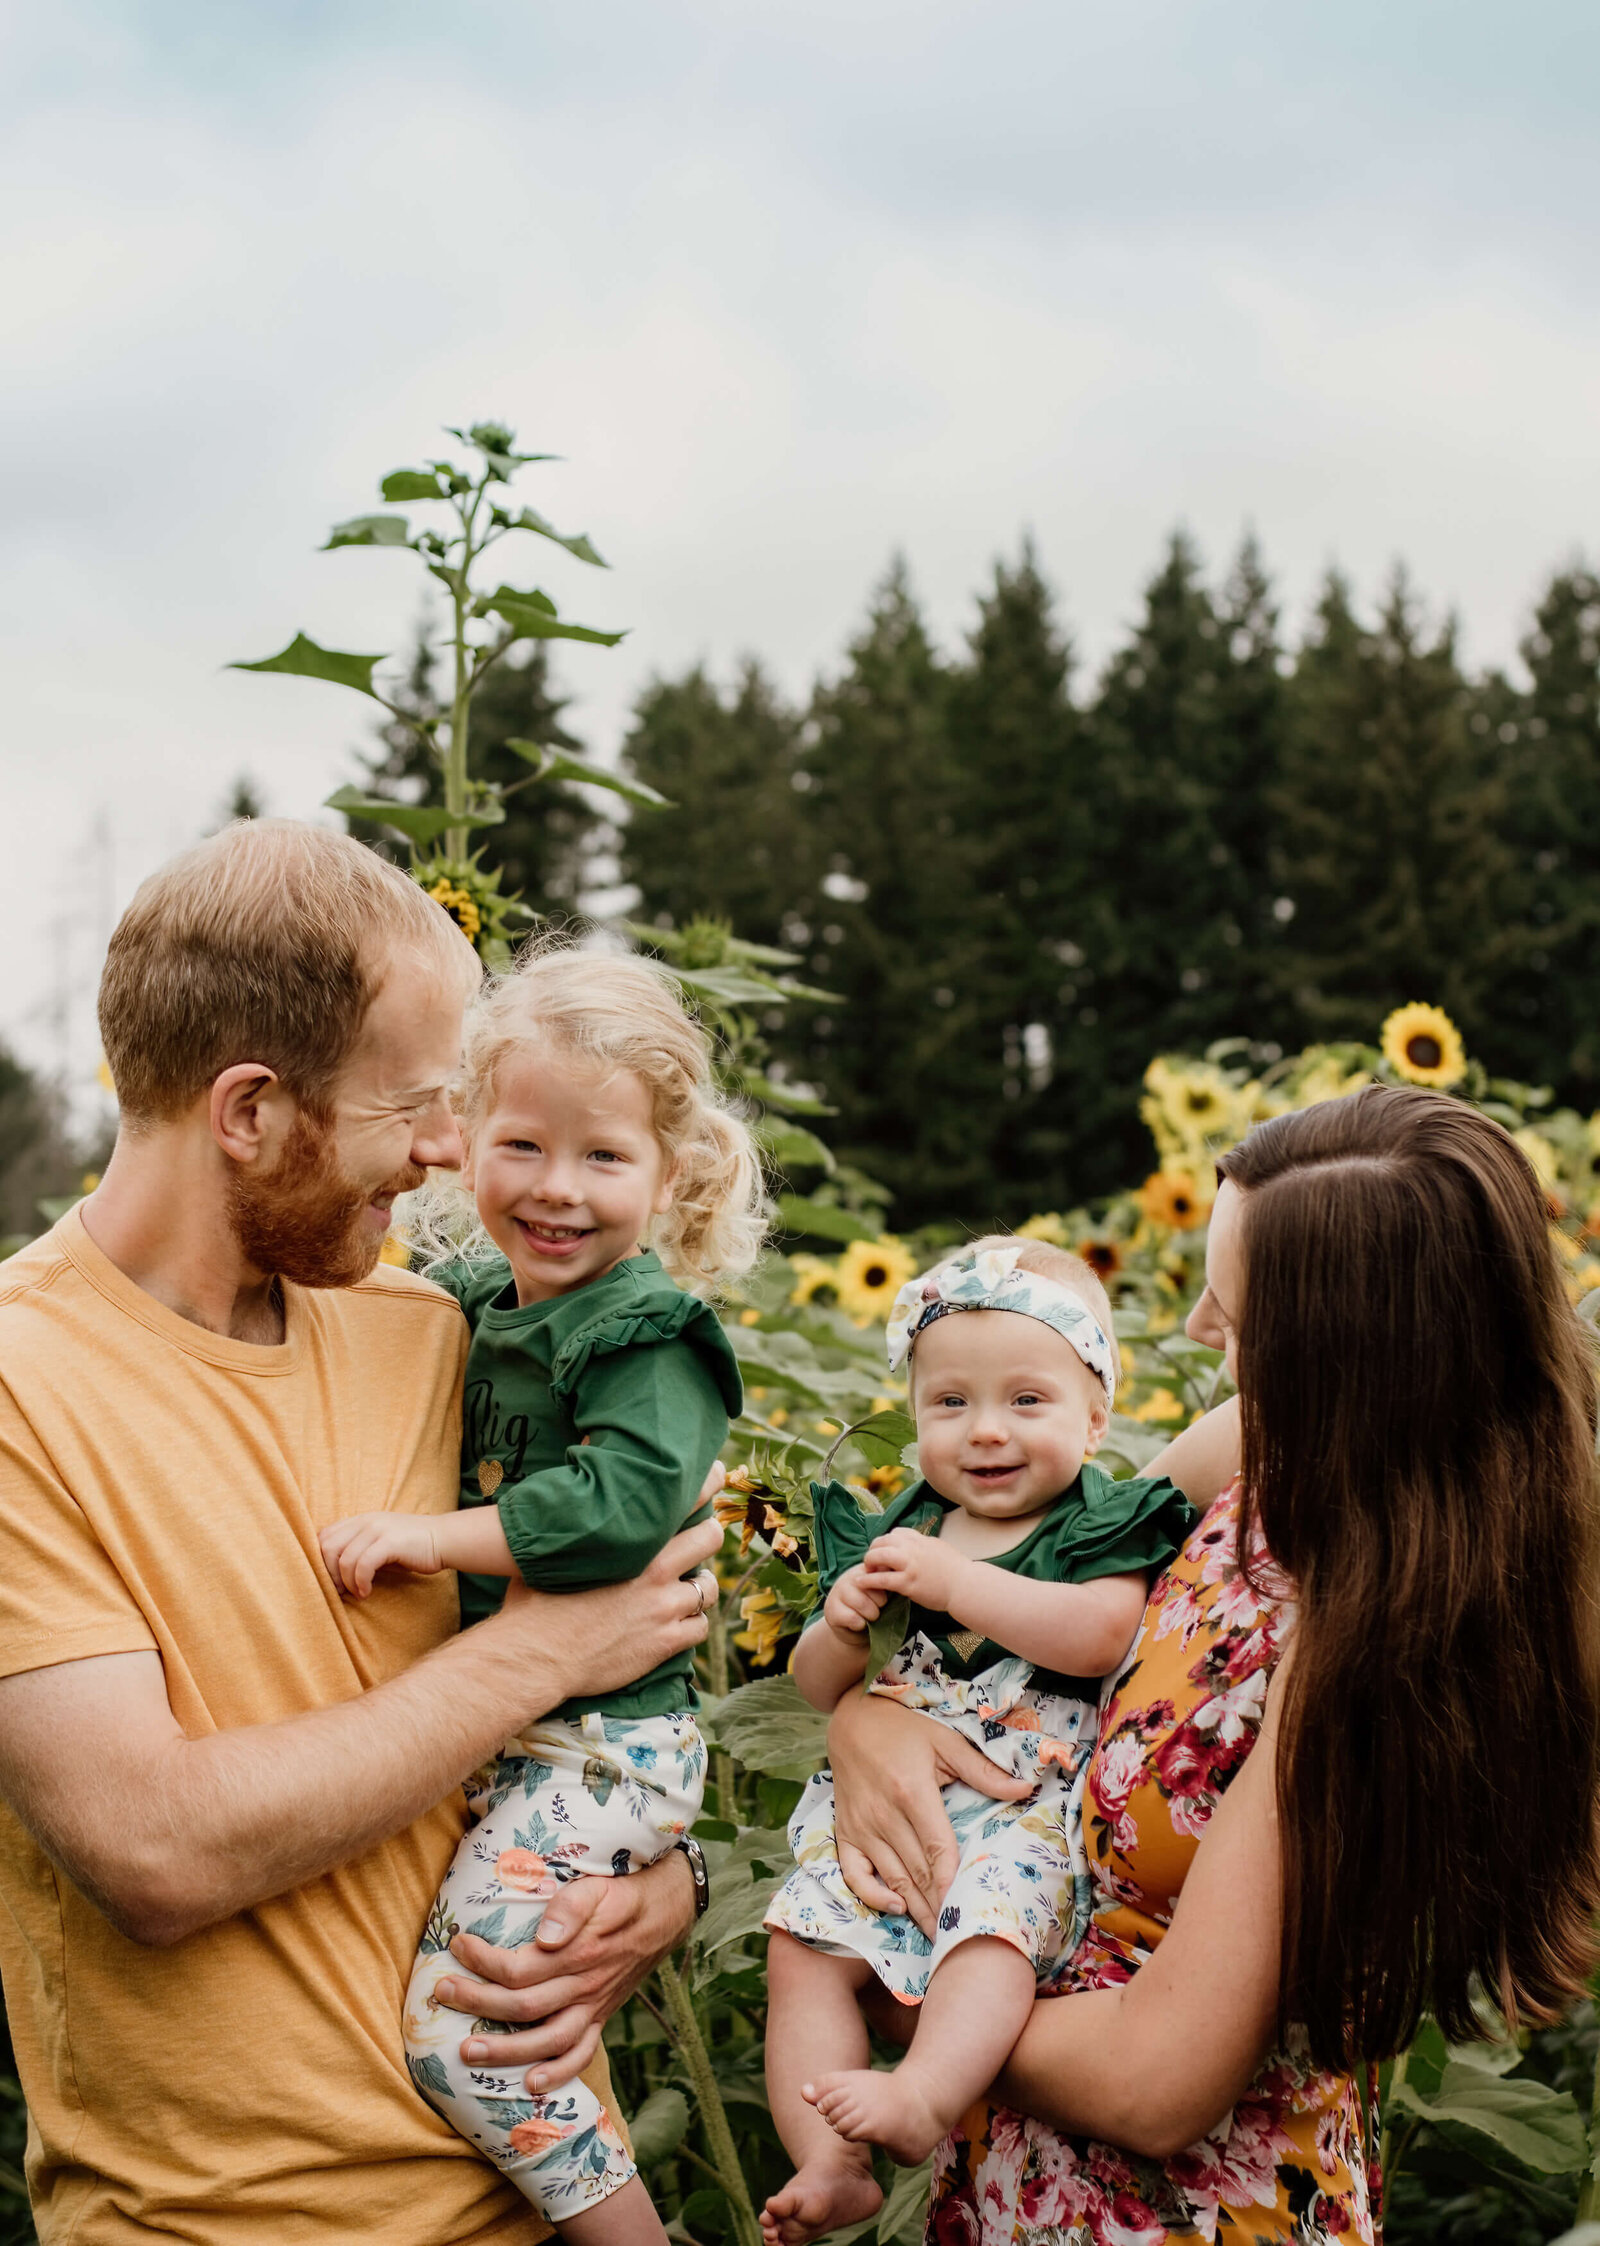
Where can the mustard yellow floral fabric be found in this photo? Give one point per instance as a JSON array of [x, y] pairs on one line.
[[1292, 2161]]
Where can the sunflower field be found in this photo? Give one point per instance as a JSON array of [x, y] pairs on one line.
[[1488, 2144], [1491, 2144]]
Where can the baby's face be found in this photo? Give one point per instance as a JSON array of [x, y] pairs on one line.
[[1007, 1411]]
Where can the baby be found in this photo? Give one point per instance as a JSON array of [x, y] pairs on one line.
[[597, 1393], [1026, 1568]]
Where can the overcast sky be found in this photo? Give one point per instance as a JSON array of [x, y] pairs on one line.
[[789, 283]]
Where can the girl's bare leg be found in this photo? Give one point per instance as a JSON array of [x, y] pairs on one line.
[[973, 2013], [813, 2022], [626, 2218]]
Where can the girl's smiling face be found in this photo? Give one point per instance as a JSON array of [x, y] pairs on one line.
[[566, 1170], [1006, 1410]]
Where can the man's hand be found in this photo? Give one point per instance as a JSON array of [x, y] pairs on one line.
[[896, 1847], [906, 1565], [852, 1606], [596, 1942], [354, 1550]]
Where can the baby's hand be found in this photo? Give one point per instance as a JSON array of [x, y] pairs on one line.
[[354, 1550], [852, 1607], [915, 1567]]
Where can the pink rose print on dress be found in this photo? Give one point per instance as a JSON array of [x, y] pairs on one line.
[[1126, 2221]]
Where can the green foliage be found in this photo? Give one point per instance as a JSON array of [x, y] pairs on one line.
[[485, 625]]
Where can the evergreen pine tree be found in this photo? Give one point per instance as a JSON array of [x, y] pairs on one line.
[[1391, 856], [1186, 737], [884, 919], [1025, 823], [738, 841], [551, 833], [1546, 1004]]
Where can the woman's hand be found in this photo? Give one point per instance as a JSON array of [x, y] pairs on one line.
[[896, 1846], [596, 1942]]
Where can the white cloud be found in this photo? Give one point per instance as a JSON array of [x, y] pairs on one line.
[[790, 288]]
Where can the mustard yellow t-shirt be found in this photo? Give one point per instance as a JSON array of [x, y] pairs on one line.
[[161, 1489]]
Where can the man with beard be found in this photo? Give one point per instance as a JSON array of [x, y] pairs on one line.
[[232, 1795]]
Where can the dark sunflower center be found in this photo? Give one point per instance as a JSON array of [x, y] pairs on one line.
[[1182, 1203], [1099, 1258], [1199, 1103], [876, 1275], [1423, 1051]]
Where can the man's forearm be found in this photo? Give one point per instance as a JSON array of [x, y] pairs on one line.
[[244, 1815]]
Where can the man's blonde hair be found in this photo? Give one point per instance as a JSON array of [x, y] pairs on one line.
[[616, 1010], [266, 943]]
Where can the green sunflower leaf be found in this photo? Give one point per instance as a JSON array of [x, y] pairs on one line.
[[303, 658], [412, 483], [367, 530], [421, 823]]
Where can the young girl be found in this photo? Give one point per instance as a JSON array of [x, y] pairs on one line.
[[1026, 1569], [598, 1393]]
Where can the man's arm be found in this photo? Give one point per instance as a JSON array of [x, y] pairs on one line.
[[178, 1833]]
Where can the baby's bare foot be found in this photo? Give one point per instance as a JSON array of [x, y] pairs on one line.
[[821, 2197], [892, 2110]]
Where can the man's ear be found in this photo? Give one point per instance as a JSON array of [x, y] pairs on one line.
[[250, 1112], [1099, 1427]]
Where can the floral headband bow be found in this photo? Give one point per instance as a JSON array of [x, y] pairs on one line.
[[988, 1279]]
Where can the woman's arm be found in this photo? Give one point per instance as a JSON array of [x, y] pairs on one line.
[[1154, 2065], [1203, 1460]]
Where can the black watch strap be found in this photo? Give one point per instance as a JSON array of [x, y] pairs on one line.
[[696, 1856]]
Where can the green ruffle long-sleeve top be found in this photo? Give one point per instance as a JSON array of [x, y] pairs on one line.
[[591, 1420], [1099, 1526]]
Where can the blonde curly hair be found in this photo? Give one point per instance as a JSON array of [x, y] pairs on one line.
[[614, 1010]]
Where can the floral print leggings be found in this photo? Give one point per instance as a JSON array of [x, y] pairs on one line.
[[595, 1795]]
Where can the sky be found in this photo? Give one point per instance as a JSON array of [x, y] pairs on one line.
[[789, 285]]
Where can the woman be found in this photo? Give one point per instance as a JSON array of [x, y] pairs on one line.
[[1418, 1663]]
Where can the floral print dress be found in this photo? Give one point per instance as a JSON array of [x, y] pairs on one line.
[[1292, 2161]]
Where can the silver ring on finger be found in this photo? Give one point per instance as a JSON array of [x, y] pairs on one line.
[[700, 1582]]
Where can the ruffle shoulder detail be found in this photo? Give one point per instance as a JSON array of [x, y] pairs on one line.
[[842, 1528], [1133, 1527], [659, 1313]]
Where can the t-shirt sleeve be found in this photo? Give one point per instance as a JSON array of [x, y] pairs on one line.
[[650, 1419], [1132, 1527], [61, 1598]]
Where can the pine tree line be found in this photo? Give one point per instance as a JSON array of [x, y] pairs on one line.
[[1021, 885]]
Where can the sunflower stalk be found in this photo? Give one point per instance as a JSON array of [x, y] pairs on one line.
[[691, 2048]]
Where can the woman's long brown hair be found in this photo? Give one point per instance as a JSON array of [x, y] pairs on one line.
[[1419, 1455]]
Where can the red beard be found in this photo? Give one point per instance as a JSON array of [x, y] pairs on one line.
[[305, 1220]]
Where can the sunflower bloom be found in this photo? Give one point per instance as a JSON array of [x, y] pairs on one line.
[[1159, 1405], [763, 1626], [460, 905], [1174, 1200], [870, 1275], [1047, 1228], [1104, 1257], [1422, 1044], [812, 1274]]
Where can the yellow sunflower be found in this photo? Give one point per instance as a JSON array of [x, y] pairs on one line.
[[870, 1275], [811, 1275], [461, 905], [1329, 1079], [1104, 1257], [394, 1250], [1175, 1200], [1047, 1228], [1159, 1405], [763, 1626], [1422, 1044]]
